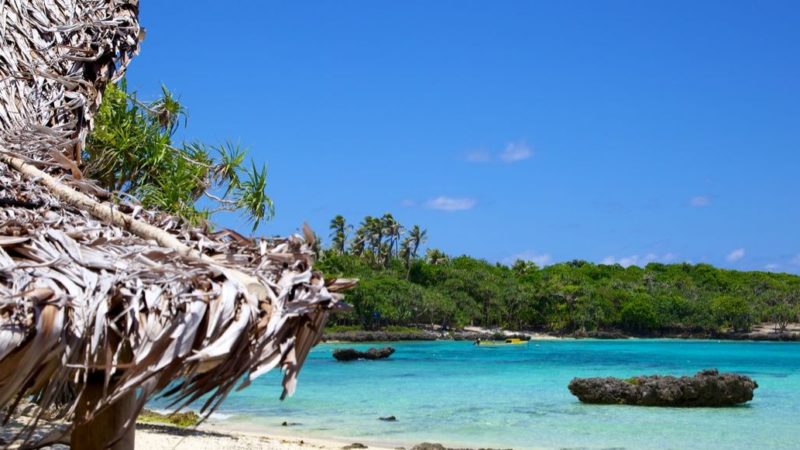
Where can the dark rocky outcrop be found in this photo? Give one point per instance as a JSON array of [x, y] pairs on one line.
[[437, 446], [429, 446], [350, 354], [608, 334], [380, 336], [706, 388], [388, 419]]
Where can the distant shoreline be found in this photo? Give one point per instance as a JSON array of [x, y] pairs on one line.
[[762, 332]]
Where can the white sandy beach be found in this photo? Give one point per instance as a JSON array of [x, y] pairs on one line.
[[158, 437], [205, 437]]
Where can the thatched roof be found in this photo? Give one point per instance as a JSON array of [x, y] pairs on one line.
[[92, 288]]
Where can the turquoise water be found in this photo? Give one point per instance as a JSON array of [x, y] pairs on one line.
[[462, 395]]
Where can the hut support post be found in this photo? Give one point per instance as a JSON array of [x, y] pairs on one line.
[[106, 425]]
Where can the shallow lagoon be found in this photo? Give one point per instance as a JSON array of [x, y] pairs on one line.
[[462, 395]]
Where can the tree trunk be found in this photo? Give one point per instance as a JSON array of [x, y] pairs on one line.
[[106, 426]]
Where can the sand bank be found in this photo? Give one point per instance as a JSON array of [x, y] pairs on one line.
[[161, 437]]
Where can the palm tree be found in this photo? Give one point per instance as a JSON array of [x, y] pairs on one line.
[[405, 254], [375, 235], [405, 250], [521, 266], [358, 244], [417, 237], [435, 256], [362, 237], [393, 231], [339, 229]]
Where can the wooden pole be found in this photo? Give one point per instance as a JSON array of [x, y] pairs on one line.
[[107, 425]]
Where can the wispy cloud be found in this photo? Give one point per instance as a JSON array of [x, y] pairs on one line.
[[669, 257], [478, 156], [408, 203], [540, 259], [639, 260], [700, 201], [450, 204], [772, 267], [624, 261], [735, 255], [515, 151]]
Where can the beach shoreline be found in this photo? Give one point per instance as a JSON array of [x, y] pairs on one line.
[[214, 436], [761, 332]]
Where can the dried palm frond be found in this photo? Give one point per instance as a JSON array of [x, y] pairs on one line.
[[99, 292]]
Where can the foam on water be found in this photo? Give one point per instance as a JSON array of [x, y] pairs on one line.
[[461, 395]]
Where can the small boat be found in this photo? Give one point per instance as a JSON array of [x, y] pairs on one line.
[[507, 342]]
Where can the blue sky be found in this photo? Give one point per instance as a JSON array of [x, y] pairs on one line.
[[621, 131]]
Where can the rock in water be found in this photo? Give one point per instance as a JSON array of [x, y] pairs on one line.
[[706, 388], [350, 354], [429, 446]]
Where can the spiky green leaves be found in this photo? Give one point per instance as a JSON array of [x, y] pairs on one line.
[[131, 151], [251, 195]]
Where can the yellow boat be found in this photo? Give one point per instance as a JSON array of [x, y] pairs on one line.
[[509, 341]]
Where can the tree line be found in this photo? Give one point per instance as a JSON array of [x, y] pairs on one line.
[[131, 153], [401, 287]]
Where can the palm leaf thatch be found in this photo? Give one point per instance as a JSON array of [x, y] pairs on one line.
[[95, 292]]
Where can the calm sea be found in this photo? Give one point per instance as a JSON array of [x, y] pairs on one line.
[[461, 395]]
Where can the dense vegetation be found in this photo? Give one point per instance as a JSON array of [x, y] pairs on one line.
[[398, 287], [131, 152]]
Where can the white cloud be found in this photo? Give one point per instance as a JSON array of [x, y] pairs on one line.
[[540, 259], [625, 261], [638, 260], [479, 156], [449, 204], [735, 255], [700, 201], [408, 203], [772, 267], [515, 151]]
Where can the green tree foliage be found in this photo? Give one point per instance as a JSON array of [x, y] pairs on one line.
[[131, 152], [732, 311], [782, 314], [639, 314], [415, 287]]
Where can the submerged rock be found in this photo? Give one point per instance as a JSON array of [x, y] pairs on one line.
[[706, 388], [388, 419], [437, 446], [350, 354], [429, 446]]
